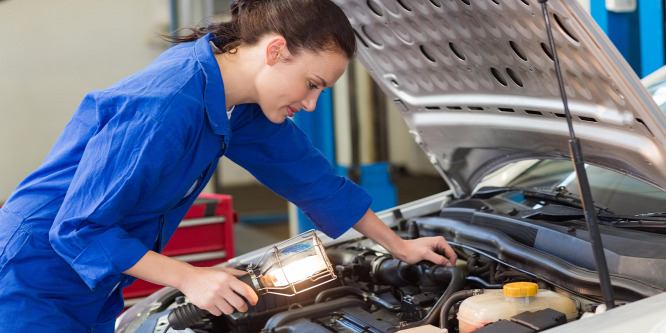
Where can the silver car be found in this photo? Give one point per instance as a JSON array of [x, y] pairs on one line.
[[476, 83]]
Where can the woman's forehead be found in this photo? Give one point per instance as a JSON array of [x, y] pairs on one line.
[[328, 66]]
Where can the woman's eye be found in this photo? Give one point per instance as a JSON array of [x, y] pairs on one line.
[[312, 85]]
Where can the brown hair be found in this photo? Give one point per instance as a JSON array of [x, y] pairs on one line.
[[311, 25]]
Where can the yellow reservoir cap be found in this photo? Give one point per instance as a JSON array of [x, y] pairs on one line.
[[520, 289]]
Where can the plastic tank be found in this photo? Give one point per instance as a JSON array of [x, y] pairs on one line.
[[515, 298]]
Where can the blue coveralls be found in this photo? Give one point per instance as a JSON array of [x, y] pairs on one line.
[[114, 186]]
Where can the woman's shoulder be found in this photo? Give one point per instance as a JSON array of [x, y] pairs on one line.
[[173, 78], [168, 74]]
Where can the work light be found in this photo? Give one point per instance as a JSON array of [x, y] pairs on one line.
[[288, 268]]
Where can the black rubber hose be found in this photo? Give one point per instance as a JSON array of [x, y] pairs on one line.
[[458, 296], [320, 309], [338, 292], [456, 280], [483, 283], [346, 290], [185, 316], [394, 272]]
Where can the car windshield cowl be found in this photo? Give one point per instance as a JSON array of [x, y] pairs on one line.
[[564, 206]]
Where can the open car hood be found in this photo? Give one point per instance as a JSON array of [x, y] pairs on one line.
[[477, 87]]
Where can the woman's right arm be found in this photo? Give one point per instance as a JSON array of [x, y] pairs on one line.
[[215, 290]]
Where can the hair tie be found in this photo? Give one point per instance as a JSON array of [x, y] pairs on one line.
[[214, 47]]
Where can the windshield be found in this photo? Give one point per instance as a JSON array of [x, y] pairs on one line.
[[658, 92], [621, 194]]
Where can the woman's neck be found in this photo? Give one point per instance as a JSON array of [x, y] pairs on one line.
[[238, 70]]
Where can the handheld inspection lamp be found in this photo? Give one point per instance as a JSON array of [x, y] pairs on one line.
[[288, 268]]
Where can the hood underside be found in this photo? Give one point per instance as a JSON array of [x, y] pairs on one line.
[[476, 83]]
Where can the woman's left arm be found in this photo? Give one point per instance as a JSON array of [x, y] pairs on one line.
[[433, 249]]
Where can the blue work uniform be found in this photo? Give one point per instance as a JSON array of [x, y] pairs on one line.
[[123, 174]]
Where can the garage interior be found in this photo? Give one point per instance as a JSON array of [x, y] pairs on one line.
[[68, 48], [121, 38]]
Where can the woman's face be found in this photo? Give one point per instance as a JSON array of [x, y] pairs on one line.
[[292, 83]]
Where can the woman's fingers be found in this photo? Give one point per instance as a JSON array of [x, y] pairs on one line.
[[226, 304], [213, 309], [433, 249], [247, 292], [219, 291], [437, 259], [225, 307], [442, 246], [237, 302]]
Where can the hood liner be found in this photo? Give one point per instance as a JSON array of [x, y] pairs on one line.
[[476, 85]]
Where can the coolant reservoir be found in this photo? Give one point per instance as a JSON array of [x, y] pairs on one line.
[[515, 298]]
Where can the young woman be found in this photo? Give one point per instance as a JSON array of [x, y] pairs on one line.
[[96, 214]]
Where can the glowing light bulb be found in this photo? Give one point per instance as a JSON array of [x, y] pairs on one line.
[[293, 266], [297, 271]]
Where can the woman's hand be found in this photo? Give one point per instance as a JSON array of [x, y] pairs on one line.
[[217, 290], [433, 249]]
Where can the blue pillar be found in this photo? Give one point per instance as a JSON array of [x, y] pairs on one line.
[[651, 24], [600, 14], [638, 35], [376, 181], [318, 125]]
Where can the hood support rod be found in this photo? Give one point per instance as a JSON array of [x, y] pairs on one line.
[[583, 184]]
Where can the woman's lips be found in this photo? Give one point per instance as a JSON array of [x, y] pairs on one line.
[[291, 111]]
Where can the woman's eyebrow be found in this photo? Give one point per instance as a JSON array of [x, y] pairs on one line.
[[322, 80]]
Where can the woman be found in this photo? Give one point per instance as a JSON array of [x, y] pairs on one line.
[[95, 215]]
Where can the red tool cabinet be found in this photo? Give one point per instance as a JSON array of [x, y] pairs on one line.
[[204, 238]]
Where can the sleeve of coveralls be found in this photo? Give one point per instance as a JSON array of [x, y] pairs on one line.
[[121, 163], [283, 158]]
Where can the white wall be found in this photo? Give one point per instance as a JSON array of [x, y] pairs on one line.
[[585, 4], [52, 54], [403, 149]]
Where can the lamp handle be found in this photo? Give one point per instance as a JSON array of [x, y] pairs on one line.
[[189, 314]]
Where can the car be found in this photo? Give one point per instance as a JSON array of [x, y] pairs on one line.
[[477, 84]]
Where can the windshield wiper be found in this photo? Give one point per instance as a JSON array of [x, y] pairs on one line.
[[653, 214], [639, 221], [573, 208], [559, 195]]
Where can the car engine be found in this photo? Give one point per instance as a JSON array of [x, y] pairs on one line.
[[374, 292]]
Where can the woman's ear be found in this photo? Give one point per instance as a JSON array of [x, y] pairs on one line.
[[276, 48]]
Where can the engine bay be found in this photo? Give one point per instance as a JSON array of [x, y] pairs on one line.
[[374, 292]]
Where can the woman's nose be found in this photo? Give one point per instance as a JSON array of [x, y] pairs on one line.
[[310, 102]]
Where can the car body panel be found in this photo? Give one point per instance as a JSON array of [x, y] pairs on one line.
[[478, 90], [479, 94], [647, 315]]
